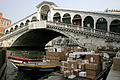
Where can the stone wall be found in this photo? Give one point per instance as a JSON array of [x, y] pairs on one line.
[[3, 64]]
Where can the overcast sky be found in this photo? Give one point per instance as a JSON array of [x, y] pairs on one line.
[[18, 9]]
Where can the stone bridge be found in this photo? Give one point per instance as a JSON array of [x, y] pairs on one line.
[[39, 33], [84, 27]]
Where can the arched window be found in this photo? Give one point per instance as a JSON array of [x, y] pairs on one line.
[[34, 19], [27, 22], [88, 22], [11, 30], [77, 20], [66, 18], [16, 27], [115, 26], [101, 24], [45, 13], [6, 32], [21, 24], [57, 17]]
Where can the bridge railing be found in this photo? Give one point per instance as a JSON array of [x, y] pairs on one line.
[[87, 30]]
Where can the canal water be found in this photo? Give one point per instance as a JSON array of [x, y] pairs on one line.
[[12, 72]]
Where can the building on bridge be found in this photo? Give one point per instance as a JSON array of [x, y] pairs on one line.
[[4, 22], [117, 11]]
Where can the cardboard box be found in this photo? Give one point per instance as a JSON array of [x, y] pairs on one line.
[[91, 66], [75, 72], [67, 73], [63, 69], [79, 61], [92, 72], [94, 58], [54, 61], [83, 67], [116, 63], [72, 65], [55, 55], [65, 63], [116, 60], [90, 77], [82, 74], [78, 50], [116, 67]]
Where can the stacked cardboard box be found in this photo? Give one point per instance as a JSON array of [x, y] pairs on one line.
[[73, 66], [70, 67], [90, 67], [55, 57], [93, 68], [116, 63], [94, 58]]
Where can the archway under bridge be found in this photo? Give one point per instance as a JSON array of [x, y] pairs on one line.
[[36, 39]]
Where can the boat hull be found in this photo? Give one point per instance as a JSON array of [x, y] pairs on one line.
[[38, 70], [23, 59]]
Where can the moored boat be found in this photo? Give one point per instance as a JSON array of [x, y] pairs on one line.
[[38, 68], [24, 59]]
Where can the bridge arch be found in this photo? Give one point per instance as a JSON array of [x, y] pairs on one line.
[[77, 20], [101, 24], [34, 18], [40, 39], [57, 17], [45, 12], [16, 27], [27, 21], [21, 24], [66, 18], [7, 31], [115, 26], [88, 22], [11, 30]]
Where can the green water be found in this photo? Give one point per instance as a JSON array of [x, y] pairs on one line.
[[12, 72]]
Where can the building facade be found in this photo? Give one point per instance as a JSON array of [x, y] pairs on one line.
[[4, 22]]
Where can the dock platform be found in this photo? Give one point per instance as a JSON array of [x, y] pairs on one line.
[[113, 75]]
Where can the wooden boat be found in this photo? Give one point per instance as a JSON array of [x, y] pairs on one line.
[[38, 68], [24, 59]]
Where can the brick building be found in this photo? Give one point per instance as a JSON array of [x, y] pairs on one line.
[[3, 23]]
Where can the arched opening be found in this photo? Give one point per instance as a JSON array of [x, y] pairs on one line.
[[6, 32], [45, 13], [77, 20], [57, 17], [27, 22], [21, 24], [16, 27], [88, 22], [101, 24], [66, 18], [11, 30], [34, 18], [115, 26]]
